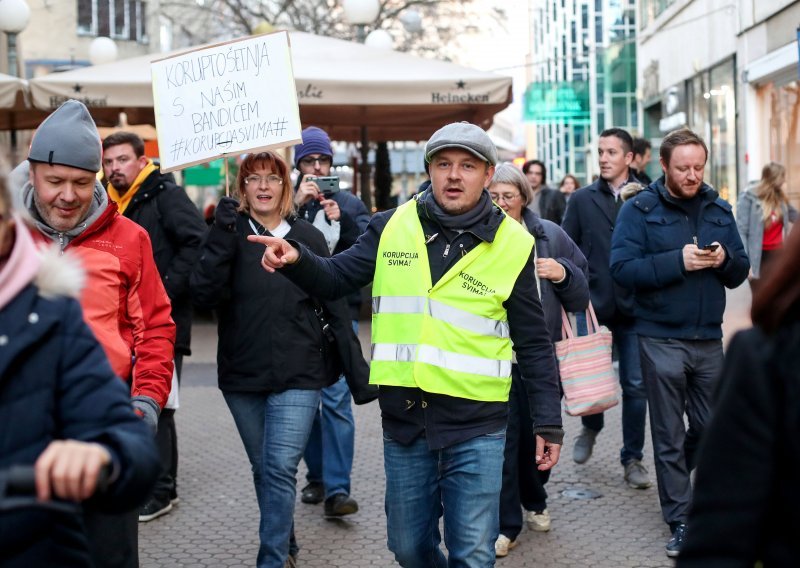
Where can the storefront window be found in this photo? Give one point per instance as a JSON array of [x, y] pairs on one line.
[[723, 130], [712, 115], [784, 127]]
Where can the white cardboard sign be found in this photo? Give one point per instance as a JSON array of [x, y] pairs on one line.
[[234, 97]]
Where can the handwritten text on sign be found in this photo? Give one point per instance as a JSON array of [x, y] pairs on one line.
[[230, 98]]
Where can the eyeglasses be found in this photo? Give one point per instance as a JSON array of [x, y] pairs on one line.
[[269, 180], [507, 197], [322, 161]]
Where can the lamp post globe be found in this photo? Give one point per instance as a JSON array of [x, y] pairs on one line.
[[361, 11], [102, 50], [379, 39], [14, 16]]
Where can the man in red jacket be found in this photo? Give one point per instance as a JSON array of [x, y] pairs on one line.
[[124, 301]]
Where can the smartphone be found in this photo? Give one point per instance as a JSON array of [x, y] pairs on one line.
[[714, 246], [328, 185]]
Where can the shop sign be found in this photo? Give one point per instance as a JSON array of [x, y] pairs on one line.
[[565, 101]]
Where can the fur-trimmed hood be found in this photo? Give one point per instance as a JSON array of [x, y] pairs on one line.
[[59, 274]]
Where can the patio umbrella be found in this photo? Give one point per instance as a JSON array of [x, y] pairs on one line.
[[342, 86]]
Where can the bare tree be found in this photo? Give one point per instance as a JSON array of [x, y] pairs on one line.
[[433, 28]]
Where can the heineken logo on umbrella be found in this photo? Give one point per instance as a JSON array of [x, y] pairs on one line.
[[459, 97]]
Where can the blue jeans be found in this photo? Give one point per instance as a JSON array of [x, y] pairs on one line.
[[331, 446], [634, 395], [274, 429], [461, 482]]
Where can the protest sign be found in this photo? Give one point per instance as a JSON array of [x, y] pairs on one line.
[[230, 98]]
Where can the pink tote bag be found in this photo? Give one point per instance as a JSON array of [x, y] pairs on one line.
[[587, 375]]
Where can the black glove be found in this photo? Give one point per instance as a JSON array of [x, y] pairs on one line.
[[225, 214]]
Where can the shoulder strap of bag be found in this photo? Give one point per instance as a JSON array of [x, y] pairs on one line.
[[591, 318], [566, 326]]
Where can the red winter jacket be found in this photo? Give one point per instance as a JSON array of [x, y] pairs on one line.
[[125, 304]]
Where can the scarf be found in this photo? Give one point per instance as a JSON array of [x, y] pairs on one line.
[[463, 221], [22, 265], [123, 201]]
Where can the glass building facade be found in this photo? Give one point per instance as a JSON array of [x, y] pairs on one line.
[[591, 42]]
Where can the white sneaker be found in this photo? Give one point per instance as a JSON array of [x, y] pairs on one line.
[[539, 522], [502, 545]]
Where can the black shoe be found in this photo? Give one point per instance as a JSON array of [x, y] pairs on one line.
[[340, 505], [154, 508], [312, 493], [677, 541], [173, 497]]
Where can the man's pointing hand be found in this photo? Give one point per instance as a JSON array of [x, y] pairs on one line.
[[277, 254]]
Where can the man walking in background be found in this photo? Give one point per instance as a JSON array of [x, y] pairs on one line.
[[176, 228], [590, 220], [676, 246], [642, 152], [331, 446], [547, 203]]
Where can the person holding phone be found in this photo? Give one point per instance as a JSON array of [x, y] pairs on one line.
[[676, 247], [331, 447]]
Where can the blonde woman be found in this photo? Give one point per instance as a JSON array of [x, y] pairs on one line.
[[764, 217]]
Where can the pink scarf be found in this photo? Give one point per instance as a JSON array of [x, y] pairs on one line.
[[22, 264]]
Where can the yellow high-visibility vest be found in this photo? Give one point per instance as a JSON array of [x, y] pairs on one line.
[[451, 338]]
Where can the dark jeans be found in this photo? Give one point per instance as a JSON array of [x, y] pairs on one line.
[[680, 376], [113, 539], [634, 395], [522, 482]]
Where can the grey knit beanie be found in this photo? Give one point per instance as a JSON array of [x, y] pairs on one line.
[[68, 137]]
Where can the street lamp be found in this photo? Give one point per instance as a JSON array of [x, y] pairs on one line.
[[360, 13], [102, 50], [379, 39], [14, 16]]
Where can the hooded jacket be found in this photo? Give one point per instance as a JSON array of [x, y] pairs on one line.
[[56, 383], [124, 301], [176, 230]]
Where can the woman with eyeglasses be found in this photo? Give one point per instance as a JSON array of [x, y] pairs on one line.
[[277, 346], [561, 272]]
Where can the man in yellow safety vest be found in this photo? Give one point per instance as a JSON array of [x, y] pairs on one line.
[[453, 289]]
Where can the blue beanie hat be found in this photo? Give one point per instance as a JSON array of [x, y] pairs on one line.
[[68, 137], [315, 141]]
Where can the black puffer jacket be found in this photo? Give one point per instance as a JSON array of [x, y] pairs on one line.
[[270, 338], [176, 230]]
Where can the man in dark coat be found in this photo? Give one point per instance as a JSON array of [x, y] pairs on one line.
[[590, 220], [176, 229], [331, 446], [547, 203], [677, 248]]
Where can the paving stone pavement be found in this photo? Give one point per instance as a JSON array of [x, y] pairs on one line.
[[216, 521]]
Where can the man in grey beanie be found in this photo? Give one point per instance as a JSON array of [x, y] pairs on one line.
[[124, 301], [453, 286]]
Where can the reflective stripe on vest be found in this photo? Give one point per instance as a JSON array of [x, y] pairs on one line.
[[451, 338], [440, 311]]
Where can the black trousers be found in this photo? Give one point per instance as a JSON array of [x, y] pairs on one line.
[[523, 484], [113, 539], [167, 443]]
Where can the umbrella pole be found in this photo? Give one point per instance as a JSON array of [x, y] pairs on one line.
[[366, 196], [227, 184]]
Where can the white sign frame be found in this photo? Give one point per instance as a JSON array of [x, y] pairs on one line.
[[226, 99]]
